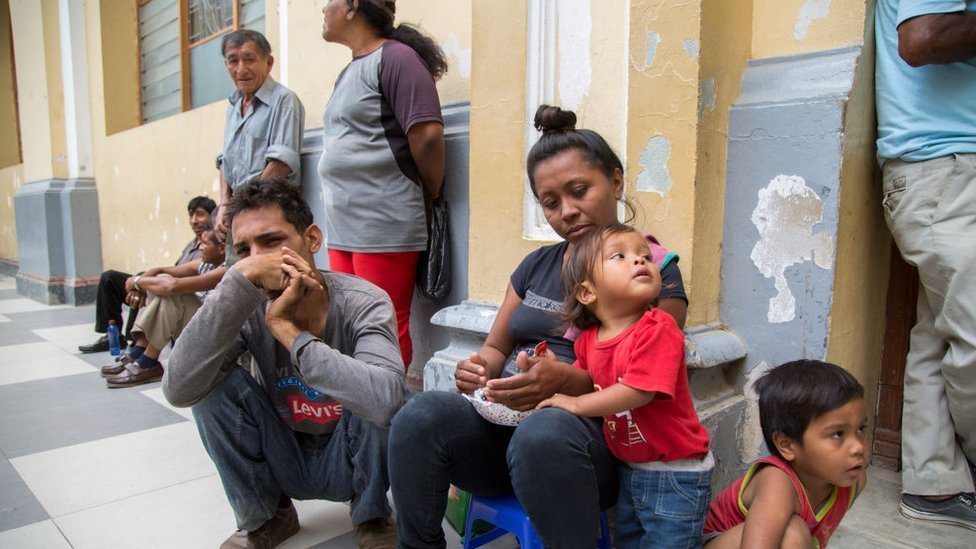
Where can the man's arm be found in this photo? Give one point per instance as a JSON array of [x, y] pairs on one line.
[[285, 128], [152, 277], [168, 285], [370, 381], [211, 342], [275, 169], [937, 38]]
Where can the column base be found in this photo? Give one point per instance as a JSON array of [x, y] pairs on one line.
[[57, 291]]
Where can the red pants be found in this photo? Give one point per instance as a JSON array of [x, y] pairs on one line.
[[395, 273]]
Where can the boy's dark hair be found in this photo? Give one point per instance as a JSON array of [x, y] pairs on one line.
[[559, 135], [262, 193], [201, 202], [238, 38], [579, 269], [794, 394]]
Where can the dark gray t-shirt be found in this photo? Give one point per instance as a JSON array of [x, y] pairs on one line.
[[370, 184], [354, 365]]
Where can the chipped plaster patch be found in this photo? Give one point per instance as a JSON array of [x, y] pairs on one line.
[[811, 9], [451, 46], [706, 98], [654, 176], [653, 40], [115, 168], [785, 215], [155, 214], [165, 236], [690, 46], [574, 28], [750, 437], [215, 186]]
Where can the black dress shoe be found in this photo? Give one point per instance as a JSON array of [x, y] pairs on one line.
[[99, 346]]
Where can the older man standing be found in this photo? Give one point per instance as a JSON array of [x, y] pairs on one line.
[[926, 98], [263, 130]]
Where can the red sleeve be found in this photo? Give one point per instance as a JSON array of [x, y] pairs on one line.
[[408, 86], [581, 345], [656, 355]]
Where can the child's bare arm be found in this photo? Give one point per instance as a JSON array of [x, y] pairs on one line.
[[613, 399], [772, 502]]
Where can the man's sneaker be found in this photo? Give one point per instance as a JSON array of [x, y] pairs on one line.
[[959, 510], [278, 528], [378, 533]]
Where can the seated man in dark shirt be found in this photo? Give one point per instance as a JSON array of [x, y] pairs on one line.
[[112, 284], [312, 421], [171, 298]]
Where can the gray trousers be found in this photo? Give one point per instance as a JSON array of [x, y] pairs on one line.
[[930, 207]]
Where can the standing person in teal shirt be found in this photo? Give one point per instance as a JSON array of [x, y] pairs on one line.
[[926, 100]]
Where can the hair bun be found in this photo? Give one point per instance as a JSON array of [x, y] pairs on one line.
[[550, 119]]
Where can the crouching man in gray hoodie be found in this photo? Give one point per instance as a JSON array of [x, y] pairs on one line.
[[312, 422]]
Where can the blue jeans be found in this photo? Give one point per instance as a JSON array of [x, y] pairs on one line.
[[259, 458], [558, 465], [661, 508]]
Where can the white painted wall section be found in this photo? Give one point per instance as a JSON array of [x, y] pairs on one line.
[[810, 11], [74, 76]]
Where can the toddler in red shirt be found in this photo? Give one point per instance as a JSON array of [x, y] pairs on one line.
[[813, 420], [635, 356]]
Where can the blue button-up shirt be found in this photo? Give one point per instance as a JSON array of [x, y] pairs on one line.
[[271, 130]]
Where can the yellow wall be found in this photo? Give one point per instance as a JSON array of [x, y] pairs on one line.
[[9, 130], [725, 50], [788, 27], [119, 53], [497, 143], [41, 100], [857, 316], [146, 173], [10, 180], [663, 113]]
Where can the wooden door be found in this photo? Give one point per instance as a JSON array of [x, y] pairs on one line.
[[900, 317]]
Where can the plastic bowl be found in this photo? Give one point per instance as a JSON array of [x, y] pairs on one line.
[[495, 412]]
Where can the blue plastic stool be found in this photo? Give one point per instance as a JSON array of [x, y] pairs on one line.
[[506, 514]]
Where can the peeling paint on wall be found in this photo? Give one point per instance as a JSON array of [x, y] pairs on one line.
[[654, 176], [785, 215], [706, 97], [811, 9], [690, 46], [155, 214], [574, 28], [653, 40], [750, 437], [215, 186], [165, 236], [453, 48]]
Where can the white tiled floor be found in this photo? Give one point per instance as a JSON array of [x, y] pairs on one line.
[[154, 487], [33, 361], [114, 468]]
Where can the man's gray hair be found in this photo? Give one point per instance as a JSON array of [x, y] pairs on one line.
[[240, 37]]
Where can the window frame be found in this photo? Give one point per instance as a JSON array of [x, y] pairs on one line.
[[186, 91]]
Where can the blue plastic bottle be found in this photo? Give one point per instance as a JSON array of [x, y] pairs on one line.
[[113, 339]]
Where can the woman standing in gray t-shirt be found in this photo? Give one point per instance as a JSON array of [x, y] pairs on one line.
[[383, 148]]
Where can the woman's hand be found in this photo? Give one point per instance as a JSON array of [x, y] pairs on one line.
[[541, 378], [471, 374]]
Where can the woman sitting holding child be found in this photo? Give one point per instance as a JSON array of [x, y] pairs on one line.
[[559, 465]]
